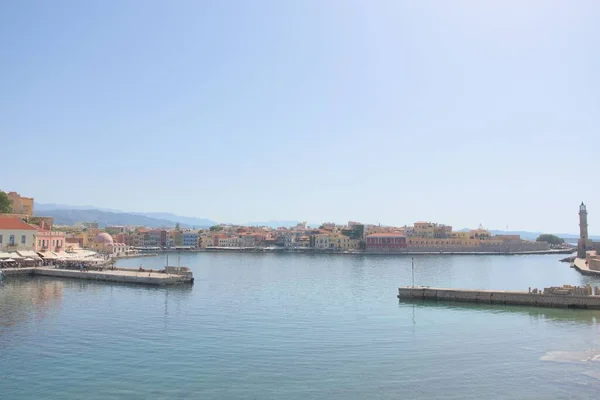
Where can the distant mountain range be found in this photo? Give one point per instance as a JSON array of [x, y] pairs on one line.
[[70, 215], [39, 208]]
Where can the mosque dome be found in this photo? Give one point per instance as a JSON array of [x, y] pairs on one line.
[[103, 238]]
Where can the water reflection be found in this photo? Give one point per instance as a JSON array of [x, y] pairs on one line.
[[585, 317], [21, 298]]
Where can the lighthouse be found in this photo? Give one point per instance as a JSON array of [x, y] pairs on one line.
[[583, 232]]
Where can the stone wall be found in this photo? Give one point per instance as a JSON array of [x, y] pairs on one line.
[[592, 260], [18, 271]]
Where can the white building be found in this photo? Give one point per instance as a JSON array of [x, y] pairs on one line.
[[16, 235], [229, 242]]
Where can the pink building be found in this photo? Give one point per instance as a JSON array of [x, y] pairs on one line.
[[49, 240]]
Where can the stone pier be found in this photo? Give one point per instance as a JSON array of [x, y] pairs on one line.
[[550, 298], [154, 278]]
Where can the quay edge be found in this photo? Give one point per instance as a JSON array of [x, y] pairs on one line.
[[499, 297], [121, 275]]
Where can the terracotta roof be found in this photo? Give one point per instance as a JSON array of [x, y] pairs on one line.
[[15, 224], [386, 234]]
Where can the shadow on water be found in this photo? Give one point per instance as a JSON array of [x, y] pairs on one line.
[[585, 317]]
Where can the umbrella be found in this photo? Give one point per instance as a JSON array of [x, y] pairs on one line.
[[9, 260], [28, 259]]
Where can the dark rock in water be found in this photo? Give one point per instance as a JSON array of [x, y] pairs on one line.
[[568, 259]]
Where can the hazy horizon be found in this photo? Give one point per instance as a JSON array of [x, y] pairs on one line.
[[309, 222], [462, 112]]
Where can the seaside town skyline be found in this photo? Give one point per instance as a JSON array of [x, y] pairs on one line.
[[21, 229], [203, 222]]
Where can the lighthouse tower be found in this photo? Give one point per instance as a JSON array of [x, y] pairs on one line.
[[583, 232]]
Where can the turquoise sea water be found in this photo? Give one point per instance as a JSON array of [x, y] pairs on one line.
[[266, 326]]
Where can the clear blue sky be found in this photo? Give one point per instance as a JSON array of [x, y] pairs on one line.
[[462, 112]]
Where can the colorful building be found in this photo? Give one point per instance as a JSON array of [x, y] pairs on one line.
[[190, 238], [385, 242], [50, 240], [333, 241], [16, 235]]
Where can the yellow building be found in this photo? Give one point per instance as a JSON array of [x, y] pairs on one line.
[[334, 241], [88, 238], [461, 235], [424, 229], [20, 205]]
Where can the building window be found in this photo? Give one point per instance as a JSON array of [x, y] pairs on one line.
[[0, 239], [23, 239], [11, 240]]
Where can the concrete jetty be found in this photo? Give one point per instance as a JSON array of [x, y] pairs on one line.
[[580, 265], [172, 275], [565, 297]]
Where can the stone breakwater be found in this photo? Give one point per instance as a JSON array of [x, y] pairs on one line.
[[528, 298], [118, 275]]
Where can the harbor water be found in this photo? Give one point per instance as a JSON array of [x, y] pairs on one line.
[[294, 326]]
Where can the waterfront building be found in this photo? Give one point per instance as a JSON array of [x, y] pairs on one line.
[[156, 238], [16, 235], [385, 242], [190, 238], [247, 240], [333, 241], [101, 241], [303, 242], [117, 249], [20, 205], [50, 240], [229, 241], [206, 241]]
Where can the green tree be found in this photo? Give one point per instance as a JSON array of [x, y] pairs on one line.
[[550, 239], [215, 228], [177, 228], [5, 207]]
